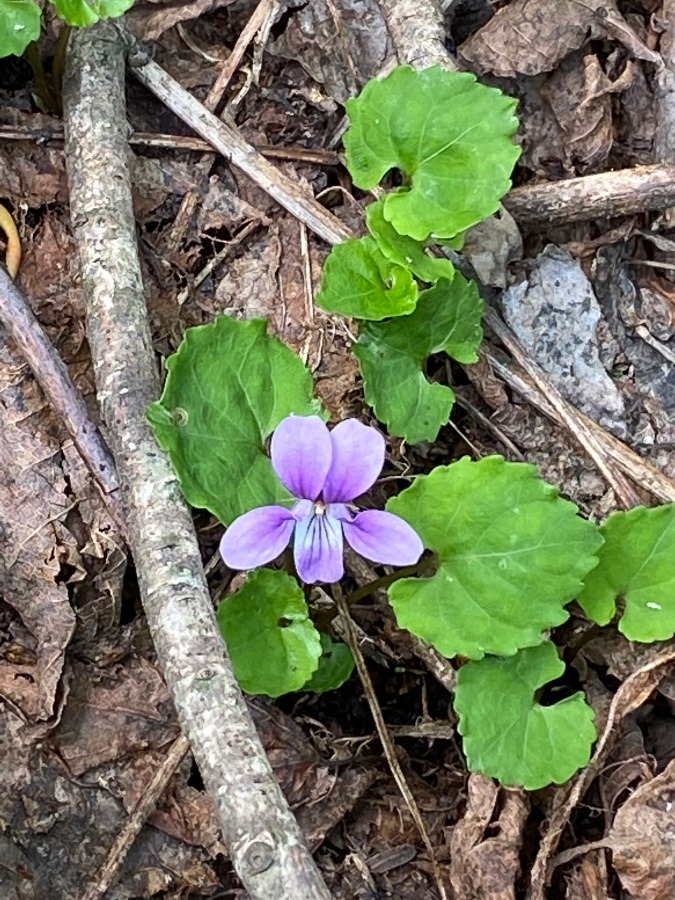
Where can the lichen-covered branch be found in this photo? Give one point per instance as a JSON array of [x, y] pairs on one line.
[[266, 845]]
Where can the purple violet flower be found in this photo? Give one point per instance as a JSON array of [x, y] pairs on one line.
[[325, 470]]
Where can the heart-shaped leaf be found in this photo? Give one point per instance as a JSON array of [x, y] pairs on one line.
[[19, 25], [229, 385], [449, 135], [511, 553], [405, 251], [335, 666], [81, 13], [271, 641], [637, 562], [508, 734]]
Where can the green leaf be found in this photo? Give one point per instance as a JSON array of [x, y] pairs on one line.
[[511, 553], [19, 25], [507, 734], [451, 137], [271, 641], [637, 563], [81, 13], [392, 356], [335, 666], [403, 250], [229, 385], [359, 281]]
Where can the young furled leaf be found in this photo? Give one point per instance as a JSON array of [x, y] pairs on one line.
[[359, 281], [637, 562], [507, 734], [392, 357], [511, 553], [271, 641], [450, 136], [228, 386], [405, 251]]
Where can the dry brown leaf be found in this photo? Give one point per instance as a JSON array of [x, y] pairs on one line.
[[641, 839], [33, 503], [340, 44], [635, 690], [531, 36], [588, 880], [150, 18], [488, 866], [579, 94], [110, 715]]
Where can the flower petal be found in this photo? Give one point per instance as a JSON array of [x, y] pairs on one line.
[[358, 457], [383, 537], [301, 453], [257, 537], [318, 548]]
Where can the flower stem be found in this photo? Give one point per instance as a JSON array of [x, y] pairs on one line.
[[367, 589]]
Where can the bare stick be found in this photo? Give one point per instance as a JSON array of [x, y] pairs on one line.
[[54, 379], [266, 846], [146, 805], [621, 193], [241, 154]]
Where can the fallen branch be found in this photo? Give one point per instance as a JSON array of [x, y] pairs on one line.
[[417, 30], [605, 196], [64, 398], [266, 846]]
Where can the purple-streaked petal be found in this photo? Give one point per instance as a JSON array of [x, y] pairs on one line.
[[301, 453], [257, 537], [383, 537], [358, 457], [318, 549]]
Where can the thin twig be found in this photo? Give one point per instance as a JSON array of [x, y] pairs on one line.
[[145, 806], [385, 737], [182, 142], [249, 31], [54, 379]]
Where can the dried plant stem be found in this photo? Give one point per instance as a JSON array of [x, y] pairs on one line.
[[174, 142], [383, 733], [261, 13], [626, 495], [266, 846], [638, 470]]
